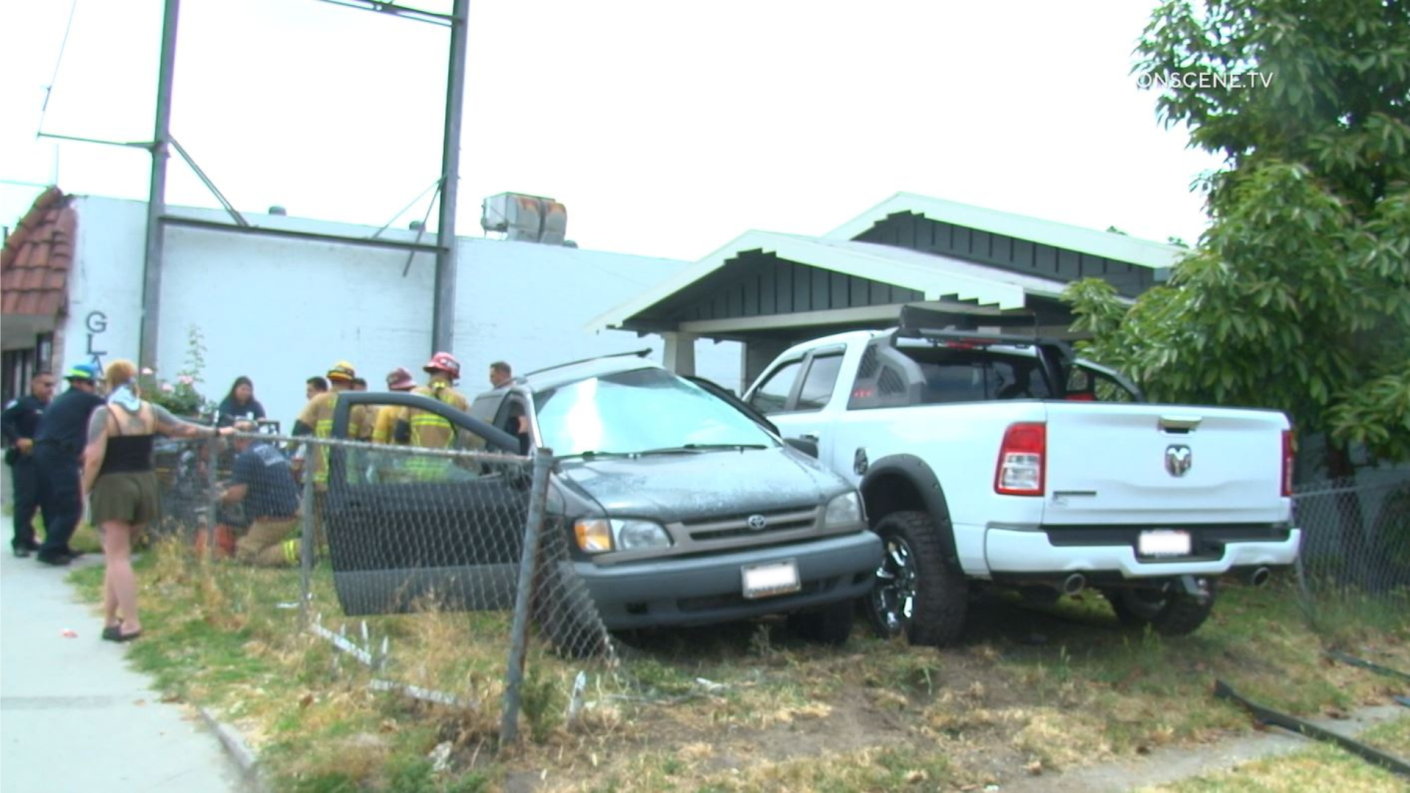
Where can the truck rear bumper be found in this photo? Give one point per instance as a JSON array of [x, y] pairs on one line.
[[1034, 551], [709, 589]]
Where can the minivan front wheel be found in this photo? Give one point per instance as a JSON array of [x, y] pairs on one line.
[[830, 624], [915, 592], [567, 616]]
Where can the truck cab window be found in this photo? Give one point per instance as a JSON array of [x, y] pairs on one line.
[[772, 395], [1088, 385], [819, 382]]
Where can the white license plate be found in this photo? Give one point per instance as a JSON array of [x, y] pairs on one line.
[[767, 580], [1163, 542]]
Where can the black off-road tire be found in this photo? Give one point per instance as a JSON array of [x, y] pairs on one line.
[[1171, 613], [830, 624], [913, 568]]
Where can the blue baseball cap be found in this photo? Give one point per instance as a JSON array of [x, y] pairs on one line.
[[82, 371]]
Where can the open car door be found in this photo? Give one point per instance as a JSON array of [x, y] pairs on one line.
[[406, 527]]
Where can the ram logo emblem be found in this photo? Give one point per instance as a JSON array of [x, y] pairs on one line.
[[1178, 459]]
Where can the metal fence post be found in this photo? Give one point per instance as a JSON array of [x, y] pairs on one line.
[[533, 529], [212, 447], [306, 548]]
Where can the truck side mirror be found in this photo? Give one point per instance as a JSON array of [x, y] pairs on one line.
[[809, 448]]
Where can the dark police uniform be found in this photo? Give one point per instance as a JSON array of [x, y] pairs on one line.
[[20, 420], [58, 449]]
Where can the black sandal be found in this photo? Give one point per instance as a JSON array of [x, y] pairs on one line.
[[112, 633]]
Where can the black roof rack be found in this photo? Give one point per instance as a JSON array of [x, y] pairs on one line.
[[637, 353], [916, 318], [924, 323]]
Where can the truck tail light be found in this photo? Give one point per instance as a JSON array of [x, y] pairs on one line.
[[1289, 457], [1021, 460]]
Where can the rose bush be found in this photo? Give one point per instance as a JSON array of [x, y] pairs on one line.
[[182, 397]]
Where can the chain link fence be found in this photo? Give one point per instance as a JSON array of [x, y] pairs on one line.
[[448, 576], [1355, 558], [443, 572]]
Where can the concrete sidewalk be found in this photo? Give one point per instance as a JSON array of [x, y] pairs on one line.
[[73, 715]]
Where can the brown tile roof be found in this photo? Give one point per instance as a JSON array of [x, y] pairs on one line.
[[38, 255]]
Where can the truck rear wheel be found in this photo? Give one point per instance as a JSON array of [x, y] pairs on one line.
[[1170, 611], [916, 592], [830, 624]]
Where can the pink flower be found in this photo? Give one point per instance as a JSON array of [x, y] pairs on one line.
[[186, 379], [166, 387], [147, 370]]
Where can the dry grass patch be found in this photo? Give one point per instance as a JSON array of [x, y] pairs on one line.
[[734, 707]]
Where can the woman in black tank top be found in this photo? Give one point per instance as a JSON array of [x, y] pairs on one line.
[[121, 487]]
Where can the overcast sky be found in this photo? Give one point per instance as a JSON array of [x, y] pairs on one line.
[[666, 128]]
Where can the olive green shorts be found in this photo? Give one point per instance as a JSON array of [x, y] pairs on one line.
[[127, 497]]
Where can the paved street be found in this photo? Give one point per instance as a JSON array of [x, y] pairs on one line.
[[73, 715]]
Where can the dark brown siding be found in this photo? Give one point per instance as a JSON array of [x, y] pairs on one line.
[[758, 284], [914, 232]]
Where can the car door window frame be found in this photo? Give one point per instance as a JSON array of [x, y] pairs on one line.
[[792, 388], [839, 352], [495, 438], [526, 404]]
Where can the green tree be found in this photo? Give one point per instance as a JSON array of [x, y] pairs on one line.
[[1297, 297]]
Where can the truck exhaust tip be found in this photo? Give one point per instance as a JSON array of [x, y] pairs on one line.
[[1074, 583]]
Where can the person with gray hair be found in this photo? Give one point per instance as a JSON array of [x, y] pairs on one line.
[[263, 482]]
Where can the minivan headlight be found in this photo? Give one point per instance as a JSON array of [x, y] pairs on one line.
[[599, 535], [635, 535], [846, 508]]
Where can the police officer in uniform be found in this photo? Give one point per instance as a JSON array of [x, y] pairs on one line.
[[58, 451], [19, 423]]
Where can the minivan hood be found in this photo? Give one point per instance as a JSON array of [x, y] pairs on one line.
[[694, 486]]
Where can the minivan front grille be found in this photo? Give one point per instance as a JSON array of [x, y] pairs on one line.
[[738, 525]]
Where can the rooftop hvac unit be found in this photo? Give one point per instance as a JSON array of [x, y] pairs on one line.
[[525, 218]]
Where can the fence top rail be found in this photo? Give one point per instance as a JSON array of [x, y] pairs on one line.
[[1334, 487], [391, 448]]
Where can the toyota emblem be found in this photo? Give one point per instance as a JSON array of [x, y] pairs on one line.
[[757, 522], [1178, 459]]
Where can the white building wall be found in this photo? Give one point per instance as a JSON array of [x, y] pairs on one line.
[[105, 291], [281, 310]]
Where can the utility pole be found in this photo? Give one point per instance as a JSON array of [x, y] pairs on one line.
[[443, 307], [156, 193]]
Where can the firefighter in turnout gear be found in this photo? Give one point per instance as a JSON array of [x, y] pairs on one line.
[[398, 380], [425, 429], [317, 420]]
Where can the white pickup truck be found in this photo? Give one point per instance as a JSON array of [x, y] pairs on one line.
[[1008, 461]]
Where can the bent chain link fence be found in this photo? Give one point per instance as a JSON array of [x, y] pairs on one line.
[[408, 561], [1355, 555]]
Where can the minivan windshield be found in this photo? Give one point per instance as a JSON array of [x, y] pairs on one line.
[[643, 410]]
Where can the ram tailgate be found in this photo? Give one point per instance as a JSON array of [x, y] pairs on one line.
[[1158, 465]]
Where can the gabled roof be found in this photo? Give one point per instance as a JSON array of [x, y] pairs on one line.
[[936, 276], [38, 255], [1120, 247]]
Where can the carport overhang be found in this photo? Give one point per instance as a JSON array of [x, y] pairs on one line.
[[771, 290], [19, 330]]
